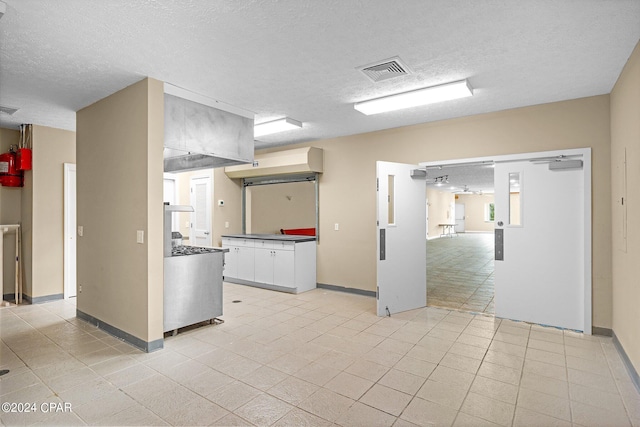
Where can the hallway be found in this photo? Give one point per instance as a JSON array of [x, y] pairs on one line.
[[460, 272]]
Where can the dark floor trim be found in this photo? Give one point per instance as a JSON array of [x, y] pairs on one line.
[[596, 330], [635, 378], [119, 333], [347, 290], [36, 300]]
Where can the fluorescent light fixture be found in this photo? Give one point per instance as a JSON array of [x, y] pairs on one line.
[[275, 126], [415, 98]]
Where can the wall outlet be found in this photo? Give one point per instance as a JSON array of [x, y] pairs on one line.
[[336, 226], [140, 236], [80, 230], [79, 289]]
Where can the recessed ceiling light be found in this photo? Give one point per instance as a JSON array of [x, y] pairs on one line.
[[275, 126], [415, 98]]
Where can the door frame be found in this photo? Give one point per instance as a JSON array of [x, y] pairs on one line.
[[70, 263], [588, 253]]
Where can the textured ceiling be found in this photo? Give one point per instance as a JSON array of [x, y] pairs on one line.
[[298, 58], [463, 177]]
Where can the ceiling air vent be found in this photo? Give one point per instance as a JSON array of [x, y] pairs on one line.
[[384, 70], [8, 110]]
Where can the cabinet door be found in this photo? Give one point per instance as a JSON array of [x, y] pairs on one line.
[[230, 261], [245, 263], [264, 266], [284, 268]]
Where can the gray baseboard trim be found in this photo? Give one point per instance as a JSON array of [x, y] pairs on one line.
[[635, 378], [347, 290], [596, 330], [261, 285], [119, 333], [31, 300]]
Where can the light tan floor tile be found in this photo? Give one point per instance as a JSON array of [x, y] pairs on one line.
[[87, 392], [367, 370], [130, 375], [289, 363], [263, 410], [386, 399], [453, 377], [427, 414], [360, 415], [382, 357], [428, 353], [546, 346], [293, 390], [489, 409], [526, 418], [395, 346], [599, 367], [545, 404], [326, 404], [336, 359], [546, 357], [504, 347], [316, 373], [595, 397], [136, 415], [474, 340], [442, 393], [264, 378], [545, 369], [436, 343], [495, 389], [417, 367], [466, 420], [504, 359], [350, 385], [402, 381], [472, 329], [109, 404], [501, 336], [540, 335], [72, 379], [591, 416], [300, 418], [499, 373], [602, 382], [462, 363], [546, 385], [199, 411], [234, 395], [207, 382]]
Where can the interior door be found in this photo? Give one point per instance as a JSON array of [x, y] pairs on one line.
[[460, 217], [540, 244], [201, 215], [70, 229], [401, 244]]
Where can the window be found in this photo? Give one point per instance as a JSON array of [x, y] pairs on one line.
[[391, 201], [489, 212]]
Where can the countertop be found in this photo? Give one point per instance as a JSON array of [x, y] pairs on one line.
[[279, 237]]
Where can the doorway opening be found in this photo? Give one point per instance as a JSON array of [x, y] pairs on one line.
[[460, 240]]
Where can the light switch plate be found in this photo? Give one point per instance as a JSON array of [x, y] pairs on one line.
[[226, 224], [336, 227], [80, 230], [140, 236]]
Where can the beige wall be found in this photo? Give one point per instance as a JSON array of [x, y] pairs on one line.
[[120, 179], [347, 257], [474, 211], [625, 134], [290, 205], [51, 149], [439, 210], [10, 210]]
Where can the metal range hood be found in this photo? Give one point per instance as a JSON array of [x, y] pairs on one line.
[[199, 136]]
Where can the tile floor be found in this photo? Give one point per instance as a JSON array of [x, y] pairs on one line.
[[320, 358], [460, 272]]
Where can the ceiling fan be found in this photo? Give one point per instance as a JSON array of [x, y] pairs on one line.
[[466, 190]]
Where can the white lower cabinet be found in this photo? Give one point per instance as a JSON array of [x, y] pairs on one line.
[[276, 264]]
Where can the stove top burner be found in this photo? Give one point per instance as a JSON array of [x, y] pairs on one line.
[[190, 250]]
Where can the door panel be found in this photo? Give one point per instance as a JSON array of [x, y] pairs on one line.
[[401, 243], [201, 216], [541, 212], [70, 231]]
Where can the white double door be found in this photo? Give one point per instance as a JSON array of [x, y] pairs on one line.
[[544, 274], [543, 256]]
